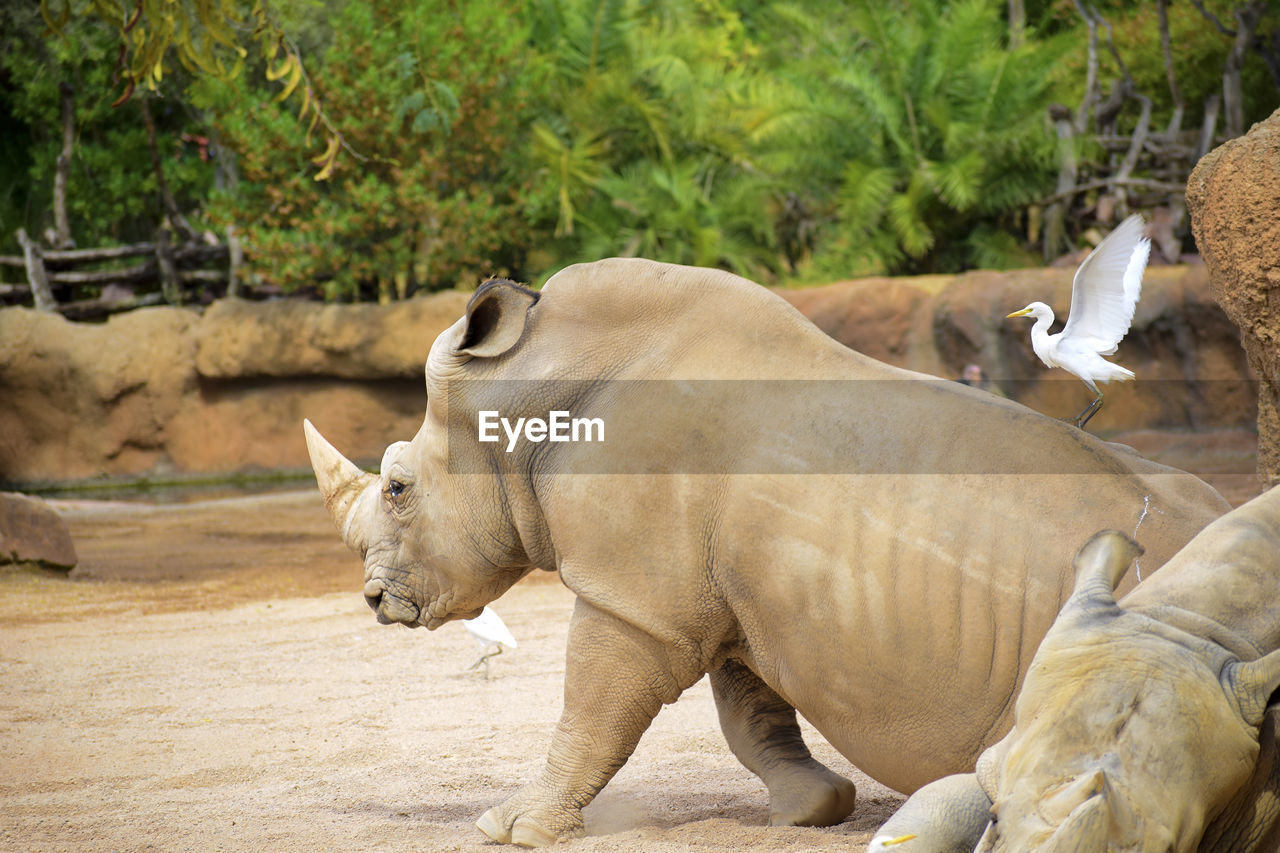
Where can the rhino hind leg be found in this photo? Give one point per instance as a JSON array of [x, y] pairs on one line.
[[762, 731], [616, 679]]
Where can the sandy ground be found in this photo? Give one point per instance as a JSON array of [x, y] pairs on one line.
[[209, 678]]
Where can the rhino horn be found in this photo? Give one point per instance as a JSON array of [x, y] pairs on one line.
[[341, 483], [1084, 830], [1250, 685], [1100, 565]]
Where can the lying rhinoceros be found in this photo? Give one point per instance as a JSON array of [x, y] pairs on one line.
[[818, 531], [1139, 725]]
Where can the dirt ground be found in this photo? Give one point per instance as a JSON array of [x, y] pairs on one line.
[[209, 678]]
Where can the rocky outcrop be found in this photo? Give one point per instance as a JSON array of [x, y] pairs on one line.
[[33, 535], [171, 390], [1234, 199]]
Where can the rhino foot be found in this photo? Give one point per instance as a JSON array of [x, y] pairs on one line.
[[520, 821], [814, 797]]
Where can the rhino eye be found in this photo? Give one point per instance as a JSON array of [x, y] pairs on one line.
[[394, 488]]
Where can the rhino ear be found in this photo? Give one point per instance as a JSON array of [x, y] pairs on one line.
[[1251, 685], [1100, 565], [496, 318]]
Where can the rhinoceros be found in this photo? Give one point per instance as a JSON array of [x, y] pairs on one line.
[[1145, 726], [819, 531]]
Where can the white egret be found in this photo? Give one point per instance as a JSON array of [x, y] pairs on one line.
[[488, 629], [1103, 295]]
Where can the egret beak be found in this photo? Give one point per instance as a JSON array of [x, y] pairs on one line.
[[1024, 312], [893, 842]]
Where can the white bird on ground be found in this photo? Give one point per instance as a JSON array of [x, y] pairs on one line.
[[1103, 295], [488, 629]]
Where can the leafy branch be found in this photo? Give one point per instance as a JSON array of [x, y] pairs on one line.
[[202, 34]]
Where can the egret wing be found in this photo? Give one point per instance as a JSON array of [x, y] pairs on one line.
[[489, 628], [1106, 288]]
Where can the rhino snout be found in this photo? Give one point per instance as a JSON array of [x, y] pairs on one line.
[[389, 606]]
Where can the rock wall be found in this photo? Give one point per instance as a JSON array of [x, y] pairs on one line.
[[171, 390], [1234, 199], [1191, 371]]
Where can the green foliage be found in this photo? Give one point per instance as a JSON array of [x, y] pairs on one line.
[[936, 129], [646, 143], [439, 97], [775, 138], [111, 188]]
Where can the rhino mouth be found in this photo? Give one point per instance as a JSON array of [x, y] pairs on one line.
[[390, 606]]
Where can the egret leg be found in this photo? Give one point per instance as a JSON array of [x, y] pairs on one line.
[[1089, 411], [484, 659]]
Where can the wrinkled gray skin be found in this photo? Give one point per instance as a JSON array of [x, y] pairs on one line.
[[1140, 727], [896, 611]]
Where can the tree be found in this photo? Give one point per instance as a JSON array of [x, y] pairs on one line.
[[648, 141], [439, 98], [931, 133], [110, 191]]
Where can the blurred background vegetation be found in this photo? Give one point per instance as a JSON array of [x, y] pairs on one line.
[[793, 141]]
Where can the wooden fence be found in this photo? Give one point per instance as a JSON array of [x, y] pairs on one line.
[[176, 269]]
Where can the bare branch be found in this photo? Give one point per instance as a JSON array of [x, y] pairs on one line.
[[1104, 183], [1091, 71], [1179, 106], [1135, 148], [1213, 19], [1111, 46]]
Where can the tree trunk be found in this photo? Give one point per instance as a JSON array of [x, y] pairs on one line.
[[166, 198], [235, 260], [1017, 24], [170, 286], [1232, 90], [1055, 231], [1209, 126], [62, 226]]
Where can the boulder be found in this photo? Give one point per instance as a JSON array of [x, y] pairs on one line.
[[33, 535], [1234, 199]]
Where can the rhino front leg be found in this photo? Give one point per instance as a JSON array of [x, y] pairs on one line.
[[762, 731], [616, 679], [1250, 823]]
